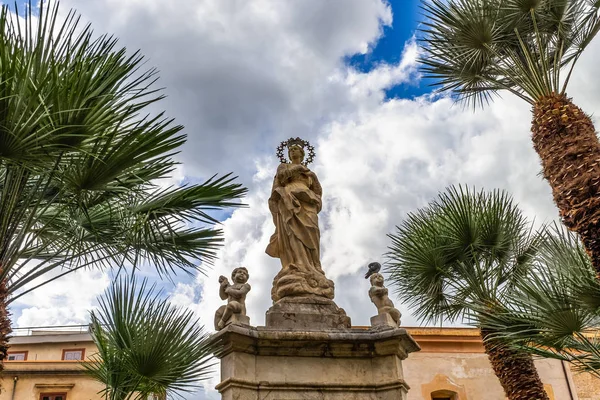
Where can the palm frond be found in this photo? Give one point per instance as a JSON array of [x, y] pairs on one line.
[[80, 155], [145, 345], [462, 247], [555, 310], [475, 48]]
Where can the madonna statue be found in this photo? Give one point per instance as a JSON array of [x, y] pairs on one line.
[[294, 203]]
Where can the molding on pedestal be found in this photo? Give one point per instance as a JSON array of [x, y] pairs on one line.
[[265, 363], [365, 387], [327, 343]]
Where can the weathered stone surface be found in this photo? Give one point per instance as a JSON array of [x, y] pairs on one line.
[[356, 364], [235, 294], [383, 320], [379, 296], [306, 314], [291, 282], [295, 203], [239, 319]]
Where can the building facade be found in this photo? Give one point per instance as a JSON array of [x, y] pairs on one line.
[[452, 365], [45, 364]]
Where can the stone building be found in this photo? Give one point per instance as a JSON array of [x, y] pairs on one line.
[[44, 365], [453, 366]]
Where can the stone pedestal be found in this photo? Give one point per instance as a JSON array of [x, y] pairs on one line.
[[238, 319], [276, 364], [383, 320], [306, 314]]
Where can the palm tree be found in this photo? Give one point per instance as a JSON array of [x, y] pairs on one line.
[[555, 311], [80, 156], [146, 346], [467, 247], [476, 48]]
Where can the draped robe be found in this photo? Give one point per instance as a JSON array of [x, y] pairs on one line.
[[294, 203]]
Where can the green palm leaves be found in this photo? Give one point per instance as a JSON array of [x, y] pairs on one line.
[[145, 345], [473, 257], [458, 258], [464, 247], [80, 155], [555, 310], [474, 48]]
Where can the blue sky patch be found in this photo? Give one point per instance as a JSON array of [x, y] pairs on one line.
[[406, 17]]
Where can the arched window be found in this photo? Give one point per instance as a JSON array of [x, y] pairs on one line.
[[443, 388], [444, 395]]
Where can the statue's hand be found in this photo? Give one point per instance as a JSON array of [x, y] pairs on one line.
[[223, 280]]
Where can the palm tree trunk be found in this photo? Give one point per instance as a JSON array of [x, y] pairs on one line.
[[515, 370], [5, 328], [565, 139]]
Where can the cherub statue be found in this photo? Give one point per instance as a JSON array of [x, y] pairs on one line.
[[235, 294], [379, 296]]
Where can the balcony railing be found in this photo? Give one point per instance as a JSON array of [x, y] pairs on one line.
[[50, 330]]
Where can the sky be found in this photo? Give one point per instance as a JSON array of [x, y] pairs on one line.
[[243, 75]]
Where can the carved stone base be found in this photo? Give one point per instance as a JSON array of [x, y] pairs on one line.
[[234, 319], [383, 320], [267, 364], [239, 319], [307, 314], [293, 282]]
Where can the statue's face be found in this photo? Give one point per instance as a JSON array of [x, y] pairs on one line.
[[240, 276], [296, 153]]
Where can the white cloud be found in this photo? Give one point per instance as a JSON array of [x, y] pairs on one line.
[[243, 75], [66, 301]]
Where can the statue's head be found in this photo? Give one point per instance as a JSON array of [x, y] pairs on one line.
[[376, 280], [296, 148], [296, 153], [239, 275]]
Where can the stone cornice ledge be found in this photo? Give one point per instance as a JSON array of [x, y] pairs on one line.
[[312, 386], [327, 343]]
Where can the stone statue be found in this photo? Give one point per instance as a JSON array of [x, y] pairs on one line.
[[379, 296], [294, 203], [235, 294]]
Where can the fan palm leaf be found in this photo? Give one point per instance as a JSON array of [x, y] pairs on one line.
[[467, 247], [146, 345], [80, 156], [474, 49], [555, 311]]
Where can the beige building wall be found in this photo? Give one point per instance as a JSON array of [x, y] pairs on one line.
[[471, 376], [453, 360], [588, 386], [30, 387], [45, 372]]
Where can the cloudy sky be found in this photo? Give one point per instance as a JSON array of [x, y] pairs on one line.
[[243, 75]]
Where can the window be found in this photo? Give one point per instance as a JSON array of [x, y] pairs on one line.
[[17, 356], [72, 354], [443, 395], [53, 396]]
